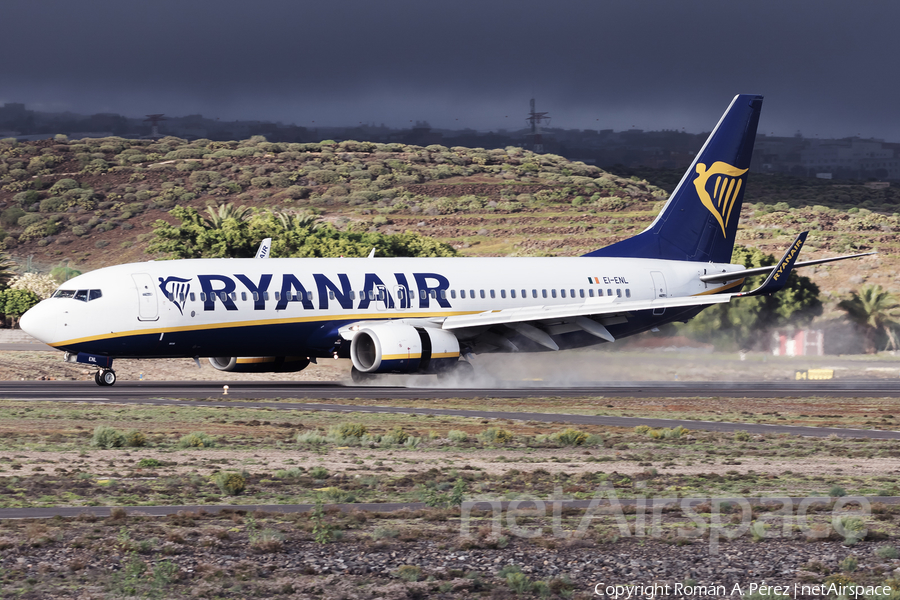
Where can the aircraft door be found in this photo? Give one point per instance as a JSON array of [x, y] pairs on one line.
[[401, 295], [381, 297], [659, 289], [148, 310]]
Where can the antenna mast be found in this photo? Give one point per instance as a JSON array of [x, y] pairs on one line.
[[535, 119]]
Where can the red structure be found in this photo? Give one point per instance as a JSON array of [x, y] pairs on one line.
[[803, 342]]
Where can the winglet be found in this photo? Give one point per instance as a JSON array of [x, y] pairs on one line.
[[264, 248], [779, 276]]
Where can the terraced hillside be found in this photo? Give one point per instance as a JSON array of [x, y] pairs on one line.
[[92, 202]]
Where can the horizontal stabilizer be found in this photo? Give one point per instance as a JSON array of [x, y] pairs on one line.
[[733, 275]]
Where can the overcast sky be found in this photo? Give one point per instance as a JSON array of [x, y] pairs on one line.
[[826, 67]]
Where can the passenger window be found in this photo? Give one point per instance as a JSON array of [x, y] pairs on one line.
[[278, 296], [581, 293], [591, 292], [503, 293], [434, 294], [180, 296], [472, 294], [562, 293], [627, 293], [512, 293], [255, 296], [371, 294], [482, 293], [309, 296], [243, 296], [544, 293], [331, 294], [462, 293], [533, 293], [266, 295], [443, 294], [553, 293], [352, 295], [572, 293], [453, 294], [202, 296], [492, 294], [618, 292], [422, 294], [609, 292], [524, 294]]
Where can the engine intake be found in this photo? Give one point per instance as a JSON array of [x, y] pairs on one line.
[[259, 364], [397, 348]]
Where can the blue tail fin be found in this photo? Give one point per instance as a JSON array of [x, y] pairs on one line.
[[699, 222]]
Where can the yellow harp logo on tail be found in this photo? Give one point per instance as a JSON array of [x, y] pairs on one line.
[[726, 184]]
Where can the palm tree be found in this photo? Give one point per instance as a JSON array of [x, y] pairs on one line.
[[874, 309], [291, 221], [224, 212]]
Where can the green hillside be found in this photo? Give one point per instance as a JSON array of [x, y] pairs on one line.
[[92, 202]]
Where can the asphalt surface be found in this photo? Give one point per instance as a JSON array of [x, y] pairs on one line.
[[187, 393], [334, 390]]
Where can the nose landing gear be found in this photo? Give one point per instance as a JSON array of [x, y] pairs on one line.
[[105, 377]]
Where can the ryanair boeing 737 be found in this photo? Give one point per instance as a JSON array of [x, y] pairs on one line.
[[423, 315]]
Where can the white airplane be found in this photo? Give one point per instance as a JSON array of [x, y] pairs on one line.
[[422, 315]]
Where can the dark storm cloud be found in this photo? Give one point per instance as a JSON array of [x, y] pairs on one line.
[[825, 67]]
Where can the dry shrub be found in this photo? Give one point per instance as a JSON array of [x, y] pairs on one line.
[[118, 514]]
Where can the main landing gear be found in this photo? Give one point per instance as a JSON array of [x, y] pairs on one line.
[[105, 377]]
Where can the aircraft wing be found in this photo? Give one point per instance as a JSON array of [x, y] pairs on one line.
[[597, 307], [579, 315]]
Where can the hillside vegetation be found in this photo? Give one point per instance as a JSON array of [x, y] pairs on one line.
[[93, 202]]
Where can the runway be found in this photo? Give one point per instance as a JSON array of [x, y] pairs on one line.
[[334, 390], [240, 395]]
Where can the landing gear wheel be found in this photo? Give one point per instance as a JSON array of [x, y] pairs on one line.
[[360, 377], [105, 378]]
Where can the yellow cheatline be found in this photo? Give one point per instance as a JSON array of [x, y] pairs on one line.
[[722, 289], [358, 317]]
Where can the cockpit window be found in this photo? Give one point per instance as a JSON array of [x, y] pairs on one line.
[[83, 295]]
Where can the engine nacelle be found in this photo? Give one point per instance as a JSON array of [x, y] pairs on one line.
[[398, 348], [259, 364]]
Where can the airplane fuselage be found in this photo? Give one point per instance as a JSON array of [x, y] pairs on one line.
[[246, 307]]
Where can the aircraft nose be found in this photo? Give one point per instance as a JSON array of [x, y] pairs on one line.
[[40, 323]]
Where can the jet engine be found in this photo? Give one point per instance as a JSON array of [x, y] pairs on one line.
[[259, 364], [398, 348]]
